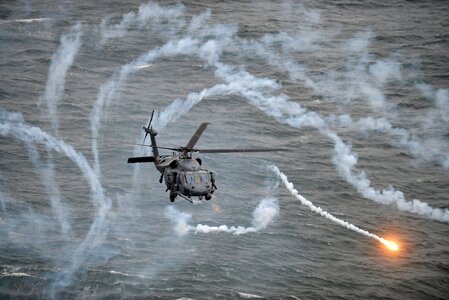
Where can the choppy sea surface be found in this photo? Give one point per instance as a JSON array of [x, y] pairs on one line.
[[357, 91]]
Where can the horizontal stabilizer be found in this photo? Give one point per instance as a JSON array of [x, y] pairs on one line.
[[142, 159]]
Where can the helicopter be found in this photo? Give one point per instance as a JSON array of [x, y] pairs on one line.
[[182, 172]]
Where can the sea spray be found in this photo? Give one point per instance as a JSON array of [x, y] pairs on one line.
[[264, 214], [318, 210]]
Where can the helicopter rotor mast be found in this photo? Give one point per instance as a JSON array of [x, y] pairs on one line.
[[149, 130]]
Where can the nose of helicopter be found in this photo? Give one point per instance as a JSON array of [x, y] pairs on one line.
[[199, 190]]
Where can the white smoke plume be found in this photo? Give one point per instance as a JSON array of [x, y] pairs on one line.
[[264, 214], [61, 62], [436, 125], [54, 91], [291, 113], [109, 88], [318, 210], [4, 197], [363, 79], [257, 91], [166, 19], [46, 172], [193, 43], [98, 229]]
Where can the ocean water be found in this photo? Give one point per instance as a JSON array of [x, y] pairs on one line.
[[358, 92]]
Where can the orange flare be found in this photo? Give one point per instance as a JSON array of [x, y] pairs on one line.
[[391, 245]]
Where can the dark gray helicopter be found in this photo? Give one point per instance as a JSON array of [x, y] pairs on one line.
[[182, 172]]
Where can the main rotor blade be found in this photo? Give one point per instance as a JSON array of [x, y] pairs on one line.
[[159, 147], [196, 136], [142, 159], [151, 119], [143, 142], [239, 150]]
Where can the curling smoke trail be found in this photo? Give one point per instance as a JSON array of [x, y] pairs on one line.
[[324, 213], [109, 88], [285, 111], [165, 19], [98, 229], [264, 214], [192, 44], [60, 64], [288, 112], [362, 78], [46, 172], [255, 90], [54, 90]]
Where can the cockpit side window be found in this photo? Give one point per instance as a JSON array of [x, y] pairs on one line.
[[204, 178]]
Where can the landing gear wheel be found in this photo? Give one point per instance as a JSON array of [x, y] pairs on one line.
[[172, 197], [208, 197]]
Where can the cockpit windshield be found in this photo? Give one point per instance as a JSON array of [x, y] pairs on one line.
[[200, 177]]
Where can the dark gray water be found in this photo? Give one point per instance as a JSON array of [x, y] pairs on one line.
[[357, 91]]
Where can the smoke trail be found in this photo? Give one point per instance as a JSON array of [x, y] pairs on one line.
[[321, 212], [109, 88], [363, 78], [285, 111], [46, 172], [179, 106], [4, 197], [165, 19], [98, 229], [60, 64], [441, 99], [436, 123], [291, 113], [255, 90], [264, 214], [54, 90], [192, 44]]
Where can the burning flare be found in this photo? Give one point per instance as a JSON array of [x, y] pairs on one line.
[[390, 245]]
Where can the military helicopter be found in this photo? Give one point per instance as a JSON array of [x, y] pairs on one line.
[[182, 172]]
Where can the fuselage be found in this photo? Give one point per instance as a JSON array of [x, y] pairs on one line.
[[184, 175]]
